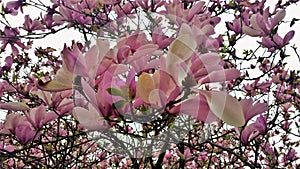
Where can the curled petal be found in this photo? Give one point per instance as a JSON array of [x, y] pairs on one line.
[[63, 81]]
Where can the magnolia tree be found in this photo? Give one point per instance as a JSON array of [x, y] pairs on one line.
[[151, 84]]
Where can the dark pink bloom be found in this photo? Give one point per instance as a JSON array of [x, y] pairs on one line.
[[73, 59], [276, 42], [26, 133], [18, 125], [13, 6], [250, 132], [235, 26], [160, 39], [290, 156], [32, 25], [253, 88], [11, 37]]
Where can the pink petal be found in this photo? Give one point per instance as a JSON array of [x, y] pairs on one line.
[[288, 37], [90, 119], [198, 108], [195, 9], [220, 76], [277, 18], [225, 107]]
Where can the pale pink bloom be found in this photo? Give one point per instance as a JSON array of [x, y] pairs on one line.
[[179, 15], [38, 116], [159, 38], [261, 24], [90, 119], [208, 106], [235, 26], [5, 87], [63, 81]]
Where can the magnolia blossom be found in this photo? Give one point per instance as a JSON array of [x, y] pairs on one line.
[[32, 25], [276, 42], [10, 37], [259, 127], [21, 127], [261, 24]]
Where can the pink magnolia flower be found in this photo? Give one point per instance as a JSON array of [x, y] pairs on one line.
[[21, 127], [156, 90], [235, 26], [5, 87], [290, 156], [126, 9], [276, 42], [160, 39], [147, 5], [63, 81], [32, 25], [109, 2], [90, 119], [38, 117], [10, 37], [253, 88], [261, 24], [26, 133], [58, 100], [13, 6], [179, 15], [8, 64], [250, 132], [208, 106]]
